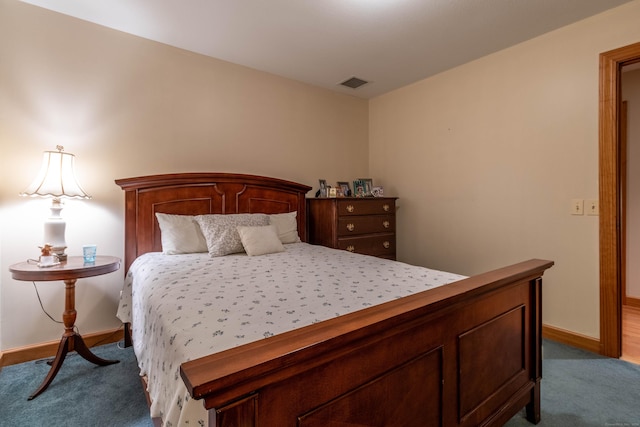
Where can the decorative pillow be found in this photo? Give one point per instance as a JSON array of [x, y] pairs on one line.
[[260, 240], [180, 234], [221, 231], [287, 226]]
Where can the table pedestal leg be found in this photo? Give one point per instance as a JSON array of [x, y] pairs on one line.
[[71, 340]]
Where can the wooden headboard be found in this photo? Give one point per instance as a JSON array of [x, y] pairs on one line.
[[198, 194]]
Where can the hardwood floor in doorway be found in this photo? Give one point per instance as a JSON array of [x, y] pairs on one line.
[[630, 334]]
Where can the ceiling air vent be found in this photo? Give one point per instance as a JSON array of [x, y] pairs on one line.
[[354, 82]]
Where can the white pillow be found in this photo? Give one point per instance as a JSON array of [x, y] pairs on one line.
[[180, 234], [221, 231], [287, 226], [260, 240]]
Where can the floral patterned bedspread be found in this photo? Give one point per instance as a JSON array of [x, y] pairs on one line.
[[187, 306]]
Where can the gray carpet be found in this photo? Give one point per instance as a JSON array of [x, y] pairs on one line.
[[578, 389], [583, 389], [82, 394]]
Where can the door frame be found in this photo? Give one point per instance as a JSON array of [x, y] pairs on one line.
[[610, 193]]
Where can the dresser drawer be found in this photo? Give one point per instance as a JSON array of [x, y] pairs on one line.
[[363, 225], [371, 206], [383, 245], [355, 225]]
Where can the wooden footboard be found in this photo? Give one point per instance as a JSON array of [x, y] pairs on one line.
[[466, 354]]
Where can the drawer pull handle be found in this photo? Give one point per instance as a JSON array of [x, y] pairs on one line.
[[386, 224], [351, 248], [351, 227], [350, 208], [385, 207], [386, 244]]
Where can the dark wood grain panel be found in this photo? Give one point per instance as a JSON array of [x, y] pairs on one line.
[[407, 402], [176, 201], [202, 193], [376, 245], [356, 225], [483, 373], [366, 206], [243, 412]]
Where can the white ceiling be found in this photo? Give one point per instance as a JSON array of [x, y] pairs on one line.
[[389, 43]]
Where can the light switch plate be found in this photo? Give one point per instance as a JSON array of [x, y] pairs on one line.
[[577, 207]]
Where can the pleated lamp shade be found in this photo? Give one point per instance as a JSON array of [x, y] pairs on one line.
[[56, 179]]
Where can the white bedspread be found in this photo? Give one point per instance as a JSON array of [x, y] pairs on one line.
[[187, 306]]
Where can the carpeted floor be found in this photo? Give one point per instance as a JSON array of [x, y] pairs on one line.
[[583, 389], [578, 389], [82, 394]]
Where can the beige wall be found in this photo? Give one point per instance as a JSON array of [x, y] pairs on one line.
[[126, 107], [631, 94], [486, 158]]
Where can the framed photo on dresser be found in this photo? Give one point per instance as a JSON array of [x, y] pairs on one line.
[[322, 192], [362, 187], [344, 187]]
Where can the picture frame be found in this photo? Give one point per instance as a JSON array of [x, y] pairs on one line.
[[358, 188], [368, 185], [333, 192], [345, 188], [323, 188]]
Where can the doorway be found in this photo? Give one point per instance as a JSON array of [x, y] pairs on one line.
[[610, 192]]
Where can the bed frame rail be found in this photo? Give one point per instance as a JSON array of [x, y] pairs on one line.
[[473, 345]]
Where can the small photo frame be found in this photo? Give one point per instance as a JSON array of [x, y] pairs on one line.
[[323, 188], [377, 191], [368, 185], [333, 192], [359, 189], [344, 188]]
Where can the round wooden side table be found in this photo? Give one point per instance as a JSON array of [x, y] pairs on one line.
[[69, 272]]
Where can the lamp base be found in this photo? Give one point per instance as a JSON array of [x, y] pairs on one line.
[[58, 251], [54, 228]]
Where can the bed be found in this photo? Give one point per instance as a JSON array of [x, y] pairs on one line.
[[466, 353]]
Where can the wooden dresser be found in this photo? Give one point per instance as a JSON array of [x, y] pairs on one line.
[[362, 225]]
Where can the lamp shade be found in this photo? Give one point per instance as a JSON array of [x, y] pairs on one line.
[[57, 177]]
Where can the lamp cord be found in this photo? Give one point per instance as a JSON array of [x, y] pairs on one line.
[[42, 306], [75, 327]]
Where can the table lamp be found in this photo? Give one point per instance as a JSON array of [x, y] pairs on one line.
[[56, 179]]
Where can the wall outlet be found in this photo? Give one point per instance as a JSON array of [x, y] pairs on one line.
[[577, 207], [592, 206]]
